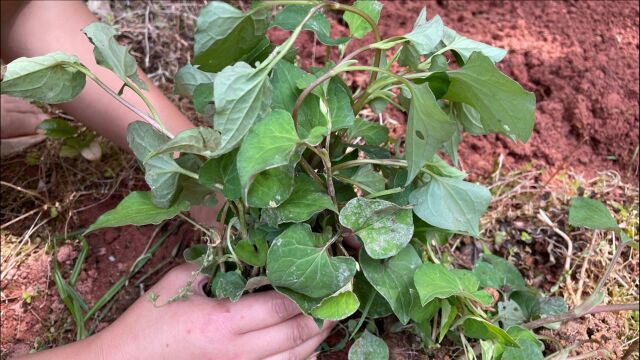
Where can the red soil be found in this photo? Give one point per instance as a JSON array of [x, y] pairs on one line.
[[579, 58]]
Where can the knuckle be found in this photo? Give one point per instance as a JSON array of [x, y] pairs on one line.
[[290, 355], [300, 331], [283, 307]]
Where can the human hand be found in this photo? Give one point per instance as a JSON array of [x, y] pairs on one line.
[[259, 326]]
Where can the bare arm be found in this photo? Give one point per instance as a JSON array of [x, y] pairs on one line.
[[35, 28]]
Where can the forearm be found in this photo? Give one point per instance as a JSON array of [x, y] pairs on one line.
[[39, 27], [90, 348]]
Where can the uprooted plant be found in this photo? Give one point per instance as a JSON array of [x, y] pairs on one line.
[[300, 172]]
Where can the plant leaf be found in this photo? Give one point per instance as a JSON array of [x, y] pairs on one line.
[[464, 47], [426, 35], [428, 129], [242, 96], [372, 181], [297, 260], [338, 98], [200, 141], [434, 281], [225, 35], [504, 106], [451, 204], [530, 348], [393, 279], [222, 170], [57, 128], [369, 347], [306, 200], [359, 27], [284, 78], [229, 285], [292, 15], [479, 328], [510, 313], [448, 315], [364, 290], [468, 117], [189, 77], [440, 167], [50, 79], [254, 255], [160, 172], [137, 209], [336, 307], [372, 133], [592, 214], [110, 54], [384, 227], [272, 187], [496, 272], [269, 144]]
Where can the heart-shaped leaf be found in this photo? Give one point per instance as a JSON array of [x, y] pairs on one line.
[[292, 15], [189, 77], [307, 199], [358, 26], [451, 204], [504, 106], [51, 78], [337, 307], [242, 96], [369, 347], [269, 144], [428, 129], [591, 214], [393, 279], [426, 35], [110, 54], [161, 172], [384, 227], [200, 141], [298, 260], [225, 35]]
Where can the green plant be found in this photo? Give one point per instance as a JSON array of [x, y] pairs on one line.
[[74, 141], [301, 172]]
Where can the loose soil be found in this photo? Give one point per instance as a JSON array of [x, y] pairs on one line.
[[579, 58]]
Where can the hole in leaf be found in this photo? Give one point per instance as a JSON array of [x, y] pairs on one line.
[[419, 135]]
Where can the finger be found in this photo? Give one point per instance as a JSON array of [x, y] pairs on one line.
[[304, 350], [266, 308], [285, 336], [178, 278]]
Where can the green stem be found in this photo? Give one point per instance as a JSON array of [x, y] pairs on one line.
[[194, 223], [158, 125], [374, 27], [355, 183], [195, 176], [359, 104], [571, 314], [282, 50], [326, 161], [228, 240], [384, 162], [148, 103], [243, 223], [309, 170]]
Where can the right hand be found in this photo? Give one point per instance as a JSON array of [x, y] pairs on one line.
[[263, 325]]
